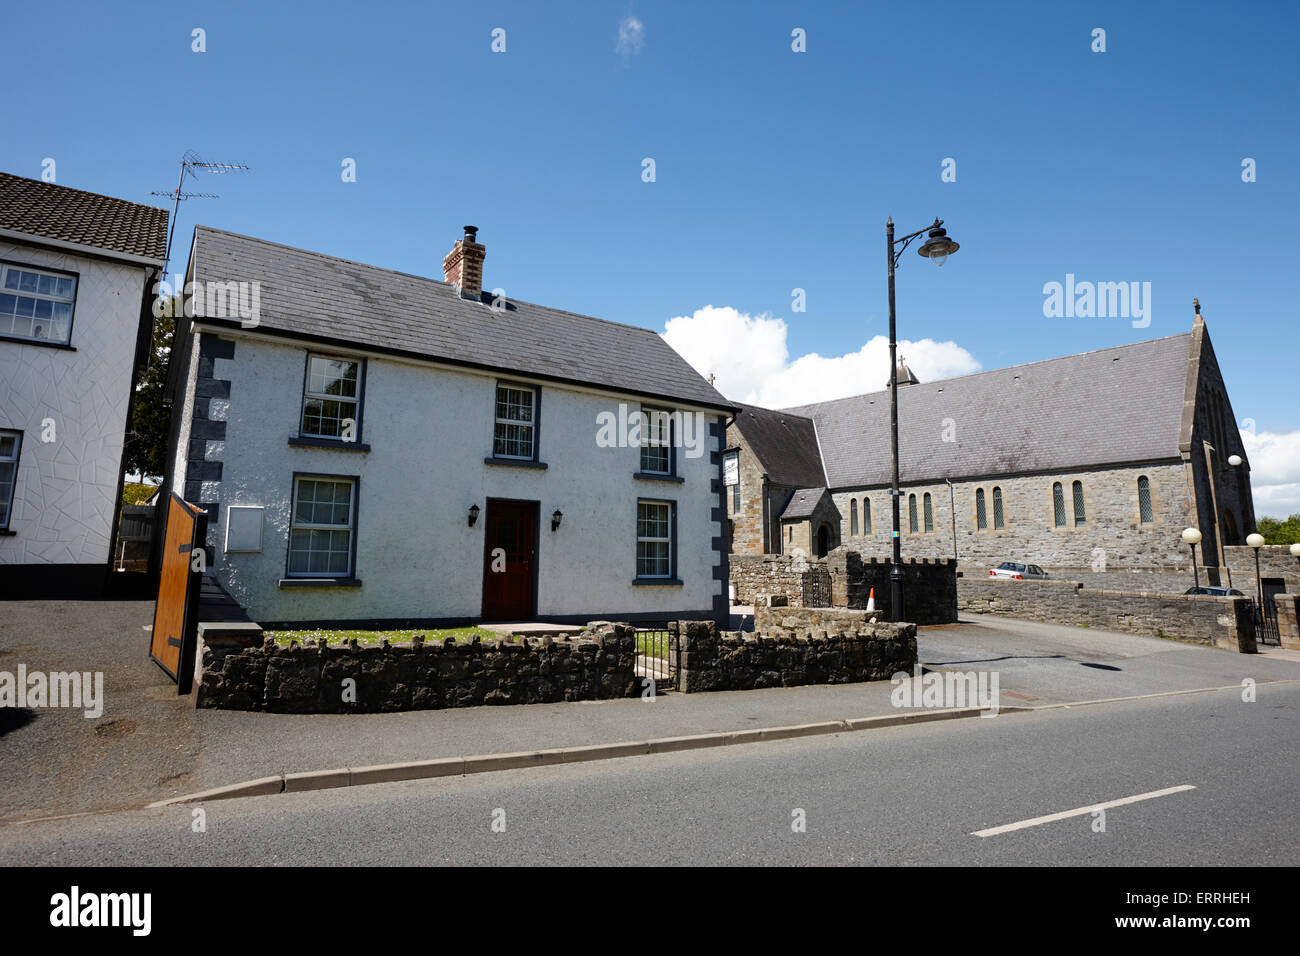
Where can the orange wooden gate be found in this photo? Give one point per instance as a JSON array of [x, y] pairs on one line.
[[175, 616]]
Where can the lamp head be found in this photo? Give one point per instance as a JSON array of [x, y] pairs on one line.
[[938, 247], [1191, 536], [1256, 541]]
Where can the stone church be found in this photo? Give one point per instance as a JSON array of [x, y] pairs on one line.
[[1093, 461]]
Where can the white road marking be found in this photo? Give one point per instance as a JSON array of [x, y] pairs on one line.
[[1065, 814]]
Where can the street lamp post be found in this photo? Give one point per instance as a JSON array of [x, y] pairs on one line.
[[1256, 541], [936, 248], [1193, 537]]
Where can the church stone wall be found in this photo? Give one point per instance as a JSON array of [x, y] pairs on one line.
[[1029, 533]]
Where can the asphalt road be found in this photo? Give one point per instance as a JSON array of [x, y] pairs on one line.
[[904, 795]]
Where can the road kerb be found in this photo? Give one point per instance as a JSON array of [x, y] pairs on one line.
[[488, 763]]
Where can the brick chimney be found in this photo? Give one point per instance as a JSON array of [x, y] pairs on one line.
[[463, 266]]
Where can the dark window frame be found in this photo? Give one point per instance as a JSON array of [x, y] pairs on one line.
[[981, 511], [535, 458], [642, 471], [72, 318], [1058, 505], [1080, 507], [302, 438], [292, 577], [5, 528], [671, 577], [999, 510]]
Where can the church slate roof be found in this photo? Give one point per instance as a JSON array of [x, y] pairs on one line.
[[320, 298], [784, 444], [1111, 406], [802, 503], [88, 219]]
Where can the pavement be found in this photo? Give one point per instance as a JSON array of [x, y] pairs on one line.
[[149, 745]]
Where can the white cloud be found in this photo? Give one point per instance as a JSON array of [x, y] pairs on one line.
[[1274, 472], [750, 357], [631, 37]]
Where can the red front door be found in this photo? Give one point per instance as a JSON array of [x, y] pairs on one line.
[[510, 561]]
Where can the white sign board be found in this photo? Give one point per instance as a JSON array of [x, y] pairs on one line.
[[731, 468]]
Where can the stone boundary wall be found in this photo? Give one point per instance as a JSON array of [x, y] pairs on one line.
[[711, 661], [755, 575], [1275, 561], [1216, 621], [598, 664], [929, 586], [1288, 620]]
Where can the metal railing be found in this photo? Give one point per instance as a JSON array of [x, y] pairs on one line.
[[658, 655]]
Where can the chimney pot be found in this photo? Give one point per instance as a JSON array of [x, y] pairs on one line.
[[471, 233]]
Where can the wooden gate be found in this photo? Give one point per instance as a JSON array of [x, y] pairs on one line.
[[175, 616]]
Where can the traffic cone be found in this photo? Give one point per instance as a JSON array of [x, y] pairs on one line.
[[871, 600]]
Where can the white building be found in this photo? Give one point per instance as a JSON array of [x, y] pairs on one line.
[[76, 271], [374, 447]]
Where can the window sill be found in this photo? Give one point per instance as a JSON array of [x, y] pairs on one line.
[[656, 582], [43, 343], [515, 462], [318, 583], [301, 441], [652, 476]]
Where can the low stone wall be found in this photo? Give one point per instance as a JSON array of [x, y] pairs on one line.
[[1275, 561], [807, 620], [596, 665], [803, 582], [1288, 620], [711, 661], [929, 586], [1218, 621]]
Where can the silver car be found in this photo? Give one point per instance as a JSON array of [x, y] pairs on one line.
[[1017, 571]]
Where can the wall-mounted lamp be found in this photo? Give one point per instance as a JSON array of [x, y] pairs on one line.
[[1234, 460], [556, 519], [473, 515]]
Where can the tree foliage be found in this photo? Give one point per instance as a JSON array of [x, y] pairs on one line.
[[146, 447], [1277, 531]]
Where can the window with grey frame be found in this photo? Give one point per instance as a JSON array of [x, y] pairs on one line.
[[911, 514], [331, 397], [1058, 504], [853, 516], [36, 304], [866, 516], [515, 430], [1080, 516], [981, 512], [999, 518], [654, 542], [927, 506], [322, 526], [11, 444]]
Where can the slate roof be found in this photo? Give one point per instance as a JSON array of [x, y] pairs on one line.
[[802, 503], [785, 445], [88, 219], [325, 299], [1111, 406]]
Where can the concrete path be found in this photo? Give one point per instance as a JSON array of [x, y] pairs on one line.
[[149, 745]]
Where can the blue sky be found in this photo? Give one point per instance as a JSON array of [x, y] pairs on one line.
[[774, 170]]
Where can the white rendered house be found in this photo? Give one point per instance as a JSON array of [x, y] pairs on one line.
[[76, 273], [375, 447]]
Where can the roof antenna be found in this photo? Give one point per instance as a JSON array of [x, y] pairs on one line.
[[190, 162]]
